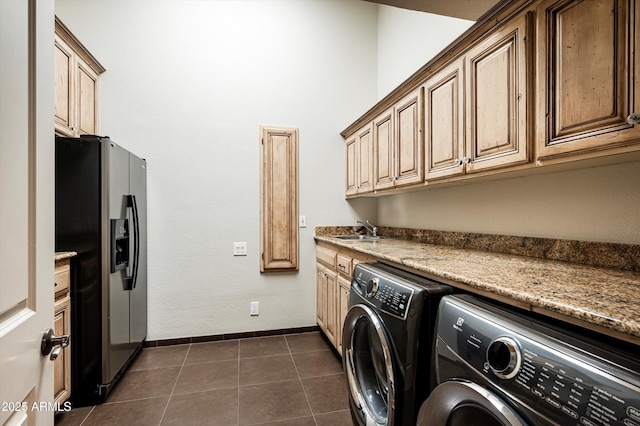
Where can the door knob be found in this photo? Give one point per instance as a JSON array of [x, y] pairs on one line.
[[51, 341]]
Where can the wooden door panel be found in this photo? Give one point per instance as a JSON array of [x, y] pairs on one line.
[[444, 133], [87, 94], [364, 159], [410, 157], [586, 76], [63, 88], [383, 151], [498, 74], [351, 164]]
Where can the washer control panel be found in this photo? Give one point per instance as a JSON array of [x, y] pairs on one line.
[[384, 293], [563, 382]]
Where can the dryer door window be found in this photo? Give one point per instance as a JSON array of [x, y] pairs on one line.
[[369, 365], [462, 403]]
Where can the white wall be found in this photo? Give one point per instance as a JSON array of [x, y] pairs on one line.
[[187, 85], [407, 40], [595, 204]]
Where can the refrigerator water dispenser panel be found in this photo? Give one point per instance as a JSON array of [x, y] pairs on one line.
[[119, 244]]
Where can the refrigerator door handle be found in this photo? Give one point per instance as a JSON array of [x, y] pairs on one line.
[[130, 281]]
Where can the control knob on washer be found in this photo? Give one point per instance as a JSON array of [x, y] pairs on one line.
[[372, 287], [504, 357]]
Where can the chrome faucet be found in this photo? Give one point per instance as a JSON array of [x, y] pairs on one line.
[[368, 226]]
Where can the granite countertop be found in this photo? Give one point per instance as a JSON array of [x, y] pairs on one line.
[[61, 255], [603, 299]]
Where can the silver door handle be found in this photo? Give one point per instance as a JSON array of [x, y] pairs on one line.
[[51, 341], [633, 119]]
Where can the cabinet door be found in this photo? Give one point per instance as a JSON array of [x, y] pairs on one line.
[[62, 364], [332, 306], [586, 75], [351, 149], [383, 151], [364, 160], [444, 132], [343, 306], [497, 95], [321, 297], [409, 144], [64, 111], [86, 98]]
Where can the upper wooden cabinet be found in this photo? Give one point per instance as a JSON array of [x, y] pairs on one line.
[[587, 75], [531, 84], [444, 122], [498, 72], [492, 80], [398, 144], [359, 162], [76, 85]]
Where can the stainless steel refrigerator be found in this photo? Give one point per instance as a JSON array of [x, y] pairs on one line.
[[101, 213]]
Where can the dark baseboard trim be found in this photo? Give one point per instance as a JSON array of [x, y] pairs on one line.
[[229, 336]]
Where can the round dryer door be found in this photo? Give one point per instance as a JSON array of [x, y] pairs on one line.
[[462, 403], [368, 363]]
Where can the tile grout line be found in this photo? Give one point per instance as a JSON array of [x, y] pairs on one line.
[[174, 385], [87, 416], [300, 380]]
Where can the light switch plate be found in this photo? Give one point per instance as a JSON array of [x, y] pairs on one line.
[[240, 249], [303, 222]]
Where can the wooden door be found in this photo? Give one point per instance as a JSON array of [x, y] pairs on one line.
[[351, 160], [62, 364], [409, 143], [364, 159], [332, 305], [86, 99], [26, 211], [383, 151], [444, 121], [497, 95], [321, 297], [586, 75], [279, 199], [344, 287], [64, 90]]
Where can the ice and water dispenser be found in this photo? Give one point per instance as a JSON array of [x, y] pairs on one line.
[[119, 244]]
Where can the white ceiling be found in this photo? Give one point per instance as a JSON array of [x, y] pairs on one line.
[[465, 9]]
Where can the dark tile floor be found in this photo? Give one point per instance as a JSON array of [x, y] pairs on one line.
[[295, 379]]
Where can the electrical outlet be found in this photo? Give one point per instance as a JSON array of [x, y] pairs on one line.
[[303, 222], [255, 309], [240, 249]]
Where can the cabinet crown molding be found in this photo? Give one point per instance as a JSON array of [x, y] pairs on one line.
[[63, 32]]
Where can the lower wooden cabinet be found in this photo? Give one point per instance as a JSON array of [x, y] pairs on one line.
[[61, 326], [344, 288], [326, 313], [334, 269]]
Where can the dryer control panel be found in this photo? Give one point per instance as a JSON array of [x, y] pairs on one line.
[[550, 375], [385, 293]]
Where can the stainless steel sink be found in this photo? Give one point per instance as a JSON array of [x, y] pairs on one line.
[[357, 237]]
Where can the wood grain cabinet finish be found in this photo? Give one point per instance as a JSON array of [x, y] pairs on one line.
[[587, 75], [76, 74], [326, 301], [279, 199], [398, 144], [498, 77], [359, 152], [62, 326], [344, 288], [444, 122], [334, 270]]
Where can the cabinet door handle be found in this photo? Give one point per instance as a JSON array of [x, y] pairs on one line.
[[466, 160], [457, 162], [633, 119]]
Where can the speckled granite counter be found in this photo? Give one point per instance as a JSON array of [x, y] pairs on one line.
[[64, 255], [602, 299]]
